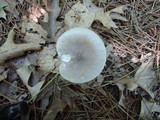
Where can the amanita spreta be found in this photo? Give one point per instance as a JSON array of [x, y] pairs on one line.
[[82, 53]]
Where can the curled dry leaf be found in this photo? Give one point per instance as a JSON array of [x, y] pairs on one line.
[[83, 15], [11, 50], [25, 73]]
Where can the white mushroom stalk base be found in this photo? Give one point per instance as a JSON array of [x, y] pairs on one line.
[[82, 53]]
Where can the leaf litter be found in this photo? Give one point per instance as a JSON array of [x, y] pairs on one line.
[[124, 90]]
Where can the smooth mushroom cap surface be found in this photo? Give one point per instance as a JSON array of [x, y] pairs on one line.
[[82, 53]]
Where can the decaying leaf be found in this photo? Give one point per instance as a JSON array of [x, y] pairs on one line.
[[148, 109], [25, 73], [12, 90], [11, 50], [145, 75], [106, 19], [46, 59], [79, 16], [82, 15], [57, 106], [34, 32]]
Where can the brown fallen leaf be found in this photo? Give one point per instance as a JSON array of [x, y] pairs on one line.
[[148, 109], [106, 17], [46, 59], [145, 76], [83, 15], [11, 50], [57, 105], [33, 31], [25, 73]]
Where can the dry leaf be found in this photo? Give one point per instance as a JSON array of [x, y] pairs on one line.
[[11, 50], [83, 15], [143, 78], [147, 109], [106, 19], [122, 97], [58, 105], [79, 16], [145, 75], [46, 59], [34, 32], [12, 90], [25, 73]]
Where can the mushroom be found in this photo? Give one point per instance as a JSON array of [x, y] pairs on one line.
[[82, 53]]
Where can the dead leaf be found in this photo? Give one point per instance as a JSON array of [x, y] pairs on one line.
[[105, 17], [57, 106], [145, 75], [11, 50], [25, 73], [79, 16], [122, 97], [91, 6], [34, 32], [83, 15], [46, 59], [147, 109], [12, 90]]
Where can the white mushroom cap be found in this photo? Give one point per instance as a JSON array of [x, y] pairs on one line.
[[82, 53]]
